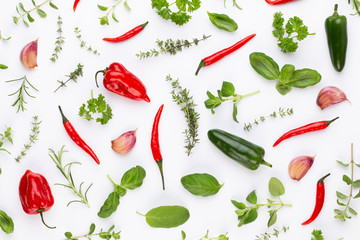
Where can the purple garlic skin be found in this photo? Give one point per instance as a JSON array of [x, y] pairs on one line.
[[329, 96], [299, 166], [124, 143], [28, 55]]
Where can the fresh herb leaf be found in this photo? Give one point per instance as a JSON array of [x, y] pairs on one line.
[[83, 43], [96, 105], [59, 42], [201, 184], [2, 66], [110, 205], [356, 6], [223, 22], [276, 188], [22, 91], [133, 178], [104, 20], [264, 65], [6, 223], [4, 38], [317, 234], [6, 136], [109, 234], [275, 233], [73, 76]]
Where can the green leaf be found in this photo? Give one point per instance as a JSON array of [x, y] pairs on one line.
[[223, 22], [317, 234], [283, 88], [126, 5], [346, 179], [110, 205], [340, 195], [273, 218], [41, 13], [357, 195], [114, 17], [120, 190], [183, 235], [25, 23], [276, 188], [352, 211], [92, 229], [303, 78], [264, 65], [2, 66], [356, 184], [201, 184], [253, 214], [104, 20], [238, 205], [227, 89], [252, 198], [15, 19], [344, 164], [340, 203], [167, 216], [6, 223], [22, 7], [102, 8], [30, 18], [68, 235], [286, 73], [133, 178], [53, 5], [235, 111]]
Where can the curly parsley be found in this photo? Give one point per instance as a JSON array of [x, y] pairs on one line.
[[294, 29], [96, 105]]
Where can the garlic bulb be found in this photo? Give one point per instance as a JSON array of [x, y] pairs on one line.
[[125, 142], [329, 96], [299, 166], [28, 55]]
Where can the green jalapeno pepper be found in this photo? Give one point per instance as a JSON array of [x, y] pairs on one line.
[[244, 152], [336, 32]]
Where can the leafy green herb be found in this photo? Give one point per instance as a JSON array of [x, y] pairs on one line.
[[22, 91], [275, 233], [170, 46], [4, 38], [66, 172], [183, 235], [6, 136], [201, 184], [317, 235], [181, 96], [6, 223], [59, 42], [181, 16], [105, 19], [109, 234], [166, 216], [223, 21], [32, 138], [248, 214], [24, 15], [132, 179], [234, 4], [2, 66], [83, 43], [96, 105], [73, 76], [281, 112], [288, 77], [345, 213], [356, 6], [227, 93], [294, 25], [220, 237]]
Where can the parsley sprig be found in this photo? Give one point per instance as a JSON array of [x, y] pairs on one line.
[[317, 235], [96, 105], [294, 30]]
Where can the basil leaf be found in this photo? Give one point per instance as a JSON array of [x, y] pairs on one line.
[[167, 216], [283, 88], [223, 21], [227, 89], [276, 188], [264, 65], [133, 178], [6, 223], [286, 73], [303, 78], [110, 205], [201, 184], [120, 190], [252, 198]]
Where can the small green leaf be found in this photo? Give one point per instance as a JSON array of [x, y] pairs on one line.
[[92, 229], [273, 218], [252, 198], [102, 8], [264, 65], [2, 66], [223, 22], [114, 17], [357, 164], [346, 179], [283, 88], [30, 18], [183, 235], [104, 20], [15, 19], [133, 178], [53, 5], [253, 214], [340, 203], [25, 23], [227, 89], [357, 195], [343, 164], [201, 184], [68, 235], [22, 7], [352, 211], [356, 184], [286, 73], [110, 205], [235, 111], [41, 13], [167, 216], [238, 205], [303, 78], [276, 188], [126, 5], [6, 223], [340, 195]]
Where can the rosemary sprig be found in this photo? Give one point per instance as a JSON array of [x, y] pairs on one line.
[[73, 76], [109, 234], [275, 233], [343, 214], [23, 13], [20, 101], [356, 6], [4, 38], [281, 112], [170, 46], [32, 138], [105, 19], [185, 101], [59, 41], [83, 43], [6, 136], [66, 172]]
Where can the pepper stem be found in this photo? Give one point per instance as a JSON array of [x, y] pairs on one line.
[[144, 25], [159, 163], [321, 180], [40, 211], [329, 122], [265, 163], [336, 8], [100, 71], [202, 64], [63, 116]]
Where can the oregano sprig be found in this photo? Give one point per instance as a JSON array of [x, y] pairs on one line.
[[171, 46], [83, 43], [4, 38], [35, 130], [275, 233], [111, 10], [22, 91], [73, 76], [6, 136], [59, 41], [109, 234]]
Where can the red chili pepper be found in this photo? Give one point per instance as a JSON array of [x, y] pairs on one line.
[[128, 34], [155, 146], [76, 138], [119, 80], [276, 2], [219, 55], [35, 194], [75, 4], [320, 196], [311, 127]]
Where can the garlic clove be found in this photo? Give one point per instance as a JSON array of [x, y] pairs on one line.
[[299, 166], [124, 143], [329, 96], [28, 55]]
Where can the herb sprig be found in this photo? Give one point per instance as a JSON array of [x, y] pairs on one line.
[[317, 235], [32, 138], [181, 96], [25, 14], [22, 91], [345, 213], [66, 172], [94, 106], [73, 76], [59, 42], [4, 38], [109, 234], [105, 19], [275, 233], [234, 4], [171, 47], [83, 43], [6, 136], [356, 6]]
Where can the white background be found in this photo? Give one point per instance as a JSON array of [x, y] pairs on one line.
[[215, 213]]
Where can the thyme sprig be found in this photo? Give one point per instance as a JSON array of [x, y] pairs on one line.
[[170, 46], [356, 6], [275, 233], [73, 76], [105, 19], [4, 38], [182, 97], [109, 234], [32, 138], [59, 41], [345, 213], [22, 91], [25, 14], [66, 172], [83, 43], [281, 112], [6, 136]]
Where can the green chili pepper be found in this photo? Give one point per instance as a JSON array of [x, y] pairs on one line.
[[336, 31], [244, 152]]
